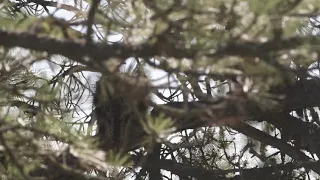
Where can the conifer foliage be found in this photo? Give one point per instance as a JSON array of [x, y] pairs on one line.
[[153, 89]]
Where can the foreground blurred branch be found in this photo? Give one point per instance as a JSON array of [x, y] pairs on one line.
[[78, 51]]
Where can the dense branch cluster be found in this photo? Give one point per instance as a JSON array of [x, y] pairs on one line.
[[232, 93]]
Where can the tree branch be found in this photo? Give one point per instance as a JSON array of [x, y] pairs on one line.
[[256, 49], [202, 173], [275, 142], [78, 51]]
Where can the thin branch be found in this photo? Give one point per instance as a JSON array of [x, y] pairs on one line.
[[91, 15], [202, 173], [275, 142]]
